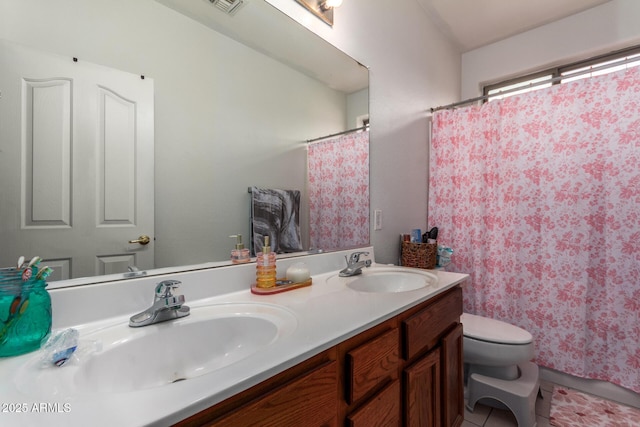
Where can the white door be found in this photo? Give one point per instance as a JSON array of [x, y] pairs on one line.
[[76, 164]]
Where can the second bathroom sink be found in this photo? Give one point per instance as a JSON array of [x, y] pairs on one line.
[[388, 279]]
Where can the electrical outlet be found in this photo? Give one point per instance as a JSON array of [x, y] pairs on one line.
[[377, 219]]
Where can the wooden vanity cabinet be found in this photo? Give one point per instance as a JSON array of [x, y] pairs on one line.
[[406, 371], [433, 373]]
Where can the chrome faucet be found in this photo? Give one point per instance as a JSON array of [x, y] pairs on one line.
[[354, 265], [133, 271], [166, 306]]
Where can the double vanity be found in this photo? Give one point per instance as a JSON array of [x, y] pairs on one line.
[[380, 348]]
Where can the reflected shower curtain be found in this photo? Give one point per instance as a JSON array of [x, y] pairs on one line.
[[338, 173], [539, 195]]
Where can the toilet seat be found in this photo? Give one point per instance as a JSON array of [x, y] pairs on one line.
[[493, 331]]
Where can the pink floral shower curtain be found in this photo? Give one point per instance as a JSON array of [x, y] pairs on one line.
[[338, 171], [539, 195]]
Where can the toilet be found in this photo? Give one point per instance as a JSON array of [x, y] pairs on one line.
[[497, 358]]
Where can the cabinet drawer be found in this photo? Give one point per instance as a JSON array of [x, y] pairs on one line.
[[310, 400], [423, 329], [372, 364], [383, 409]]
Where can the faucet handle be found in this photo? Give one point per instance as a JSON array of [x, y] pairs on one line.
[[165, 288]]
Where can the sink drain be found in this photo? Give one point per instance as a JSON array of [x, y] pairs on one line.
[[178, 380]]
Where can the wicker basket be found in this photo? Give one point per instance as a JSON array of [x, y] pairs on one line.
[[420, 255]]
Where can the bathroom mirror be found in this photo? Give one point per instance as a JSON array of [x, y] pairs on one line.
[[235, 98]]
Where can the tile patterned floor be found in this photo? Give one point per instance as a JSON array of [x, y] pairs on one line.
[[485, 416]]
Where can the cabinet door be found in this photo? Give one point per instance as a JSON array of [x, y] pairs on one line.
[[422, 391], [310, 400], [452, 383], [381, 410]]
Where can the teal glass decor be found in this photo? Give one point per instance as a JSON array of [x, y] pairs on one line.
[[25, 311]]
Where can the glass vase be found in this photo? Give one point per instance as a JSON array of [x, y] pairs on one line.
[[25, 312]]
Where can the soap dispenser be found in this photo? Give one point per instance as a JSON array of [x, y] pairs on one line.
[[266, 266], [239, 255]]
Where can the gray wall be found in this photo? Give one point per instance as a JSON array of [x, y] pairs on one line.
[[412, 67]]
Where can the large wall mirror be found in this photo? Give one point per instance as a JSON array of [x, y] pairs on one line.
[[234, 98]]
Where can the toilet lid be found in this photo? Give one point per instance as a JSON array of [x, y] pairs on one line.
[[491, 330]]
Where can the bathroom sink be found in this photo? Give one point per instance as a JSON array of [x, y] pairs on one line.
[[391, 279], [129, 359]]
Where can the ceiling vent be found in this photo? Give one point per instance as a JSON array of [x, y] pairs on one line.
[[229, 7]]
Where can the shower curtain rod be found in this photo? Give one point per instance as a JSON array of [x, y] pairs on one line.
[[339, 133], [551, 80]]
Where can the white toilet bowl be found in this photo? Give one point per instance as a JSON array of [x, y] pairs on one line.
[[497, 366], [494, 348]]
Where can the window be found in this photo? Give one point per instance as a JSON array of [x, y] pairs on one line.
[[627, 61], [599, 65], [527, 85]]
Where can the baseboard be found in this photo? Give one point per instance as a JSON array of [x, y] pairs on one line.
[[600, 388]]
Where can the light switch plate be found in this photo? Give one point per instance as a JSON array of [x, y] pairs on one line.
[[377, 219]]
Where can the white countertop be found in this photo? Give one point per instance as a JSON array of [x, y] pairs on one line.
[[327, 313]]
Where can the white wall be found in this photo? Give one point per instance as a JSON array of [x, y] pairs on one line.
[[412, 67], [231, 136], [357, 106], [602, 29]]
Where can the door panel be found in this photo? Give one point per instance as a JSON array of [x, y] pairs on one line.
[[76, 164], [116, 151], [46, 136]]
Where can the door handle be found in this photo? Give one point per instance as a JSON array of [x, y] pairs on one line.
[[143, 240]]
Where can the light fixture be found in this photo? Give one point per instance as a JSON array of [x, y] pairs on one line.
[[323, 9]]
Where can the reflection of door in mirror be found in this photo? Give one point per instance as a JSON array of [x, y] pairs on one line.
[[74, 132]]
